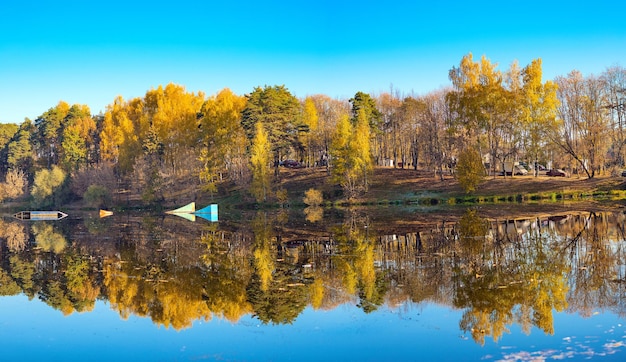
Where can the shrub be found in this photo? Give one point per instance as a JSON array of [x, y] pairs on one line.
[[15, 184], [97, 196], [313, 197], [46, 184], [102, 174], [470, 169], [314, 213], [282, 196]]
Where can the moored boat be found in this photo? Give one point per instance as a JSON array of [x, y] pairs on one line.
[[189, 212], [105, 213], [209, 209], [39, 215], [209, 212]]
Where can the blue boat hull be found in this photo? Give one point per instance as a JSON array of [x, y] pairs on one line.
[[209, 212]]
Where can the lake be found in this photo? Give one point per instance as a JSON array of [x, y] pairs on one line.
[[392, 284]]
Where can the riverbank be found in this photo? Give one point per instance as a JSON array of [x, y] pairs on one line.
[[388, 187], [407, 186], [405, 200]]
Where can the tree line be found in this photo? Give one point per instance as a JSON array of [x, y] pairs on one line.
[[149, 144]]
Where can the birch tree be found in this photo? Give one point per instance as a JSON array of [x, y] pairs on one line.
[[310, 119], [539, 110], [360, 149], [329, 111], [221, 134], [392, 128], [351, 154], [583, 112], [260, 159], [173, 113], [434, 135], [614, 79], [412, 115]]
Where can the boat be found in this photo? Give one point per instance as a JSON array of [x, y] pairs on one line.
[[189, 212], [39, 215], [105, 213], [190, 208], [209, 212], [210, 209]]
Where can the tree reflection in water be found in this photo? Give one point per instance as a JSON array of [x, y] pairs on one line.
[[498, 272], [277, 294], [512, 282]]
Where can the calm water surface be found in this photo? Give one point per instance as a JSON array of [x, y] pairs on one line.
[[282, 287]]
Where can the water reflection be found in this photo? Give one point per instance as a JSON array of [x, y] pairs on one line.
[[500, 283], [499, 272]]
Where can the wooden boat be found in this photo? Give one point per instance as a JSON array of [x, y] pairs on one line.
[[39, 215], [105, 213], [190, 208]]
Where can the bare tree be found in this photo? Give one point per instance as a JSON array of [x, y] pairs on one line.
[[614, 79], [389, 141], [412, 117], [437, 144], [15, 184], [329, 111], [585, 120]]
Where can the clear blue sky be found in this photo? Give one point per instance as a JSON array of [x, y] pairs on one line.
[[88, 52]]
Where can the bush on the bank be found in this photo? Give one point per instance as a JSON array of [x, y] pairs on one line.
[[470, 170], [313, 197], [97, 196]]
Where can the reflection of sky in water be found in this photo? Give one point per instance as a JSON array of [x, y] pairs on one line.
[[34, 331], [601, 336]]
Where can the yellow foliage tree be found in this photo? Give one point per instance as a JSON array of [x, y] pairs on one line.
[[339, 149], [121, 137], [111, 136], [313, 197], [311, 120], [360, 149], [351, 154], [260, 161], [470, 169], [539, 109], [220, 132], [45, 184], [173, 113]]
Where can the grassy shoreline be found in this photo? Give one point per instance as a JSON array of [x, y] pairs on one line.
[[389, 187], [408, 187], [409, 200]]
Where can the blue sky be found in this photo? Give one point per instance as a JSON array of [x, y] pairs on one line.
[[89, 52]]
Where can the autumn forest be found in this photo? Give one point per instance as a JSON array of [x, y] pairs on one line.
[[174, 140]]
